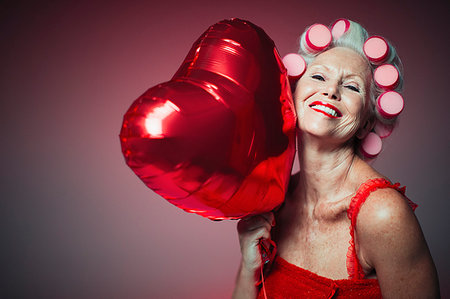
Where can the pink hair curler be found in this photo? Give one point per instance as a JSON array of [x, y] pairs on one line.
[[340, 27], [383, 130], [371, 145], [376, 49], [386, 76], [318, 38], [295, 65], [390, 104]]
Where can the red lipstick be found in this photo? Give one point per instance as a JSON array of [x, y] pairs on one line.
[[326, 109]]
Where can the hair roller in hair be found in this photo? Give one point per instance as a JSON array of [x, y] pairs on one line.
[[390, 104], [317, 38], [295, 65], [340, 27], [371, 145], [376, 49], [383, 130], [386, 76]]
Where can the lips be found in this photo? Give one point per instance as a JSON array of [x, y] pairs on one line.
[[326, 109]]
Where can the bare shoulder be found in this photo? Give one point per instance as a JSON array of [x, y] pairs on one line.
[[392, 243], [386, 211], [385, 220], [383, 208]]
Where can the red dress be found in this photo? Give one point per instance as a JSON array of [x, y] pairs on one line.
[[286, 280]]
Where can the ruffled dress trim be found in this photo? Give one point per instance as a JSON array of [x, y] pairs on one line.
[[354, 268], [290, 281]]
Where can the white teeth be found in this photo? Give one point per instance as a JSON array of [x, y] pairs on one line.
[[325, 109]]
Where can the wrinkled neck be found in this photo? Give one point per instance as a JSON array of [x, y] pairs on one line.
[[324, 169]]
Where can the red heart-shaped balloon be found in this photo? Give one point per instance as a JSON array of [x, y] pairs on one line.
[[218, 139]]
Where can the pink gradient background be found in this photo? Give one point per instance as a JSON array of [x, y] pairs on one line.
[[77, 223]]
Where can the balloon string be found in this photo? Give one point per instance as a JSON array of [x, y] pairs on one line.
[[268, 250], [262, 281]]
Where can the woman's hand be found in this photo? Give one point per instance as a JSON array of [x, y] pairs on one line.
[[251, 230]]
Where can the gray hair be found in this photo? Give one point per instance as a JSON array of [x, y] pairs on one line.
[[354, 39]]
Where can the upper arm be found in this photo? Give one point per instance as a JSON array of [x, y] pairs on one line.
[[391, 241]]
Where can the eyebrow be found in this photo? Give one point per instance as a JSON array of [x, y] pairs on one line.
[[346, 75]]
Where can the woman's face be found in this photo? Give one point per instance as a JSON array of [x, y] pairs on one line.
[[330, 98]]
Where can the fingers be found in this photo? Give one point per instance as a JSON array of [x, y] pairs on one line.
[[250, 223], [252, 229], [269, 217]]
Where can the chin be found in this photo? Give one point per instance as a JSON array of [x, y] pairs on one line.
[[316, 126], [326, 133], [316, 131]]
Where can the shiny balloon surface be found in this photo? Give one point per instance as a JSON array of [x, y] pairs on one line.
[[218, 139]]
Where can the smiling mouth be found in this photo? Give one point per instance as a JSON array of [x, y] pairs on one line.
[[327, 109]]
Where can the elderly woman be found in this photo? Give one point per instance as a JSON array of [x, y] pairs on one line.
[[343, 230]]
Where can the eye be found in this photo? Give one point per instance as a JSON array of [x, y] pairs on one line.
[[351, 87], [318, 77]]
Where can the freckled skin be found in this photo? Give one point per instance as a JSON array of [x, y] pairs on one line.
[[312, 228]]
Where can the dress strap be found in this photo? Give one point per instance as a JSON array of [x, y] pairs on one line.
[[354, 268]]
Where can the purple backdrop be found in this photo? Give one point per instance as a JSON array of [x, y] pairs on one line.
[[77, 223]]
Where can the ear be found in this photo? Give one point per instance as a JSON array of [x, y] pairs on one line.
[[365, 129]]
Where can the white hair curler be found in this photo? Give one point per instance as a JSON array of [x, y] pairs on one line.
[[339, 28], [390, 104], [317, 38], [383, 130], [295, 65], [386, 76], [371, 145], [376, 49]]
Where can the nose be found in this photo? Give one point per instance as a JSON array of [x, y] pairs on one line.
[[331, 91]]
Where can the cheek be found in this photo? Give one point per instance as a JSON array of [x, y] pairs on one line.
[[355, 106], [302, 93], [348, 125], [367, 107], [298, 99]]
